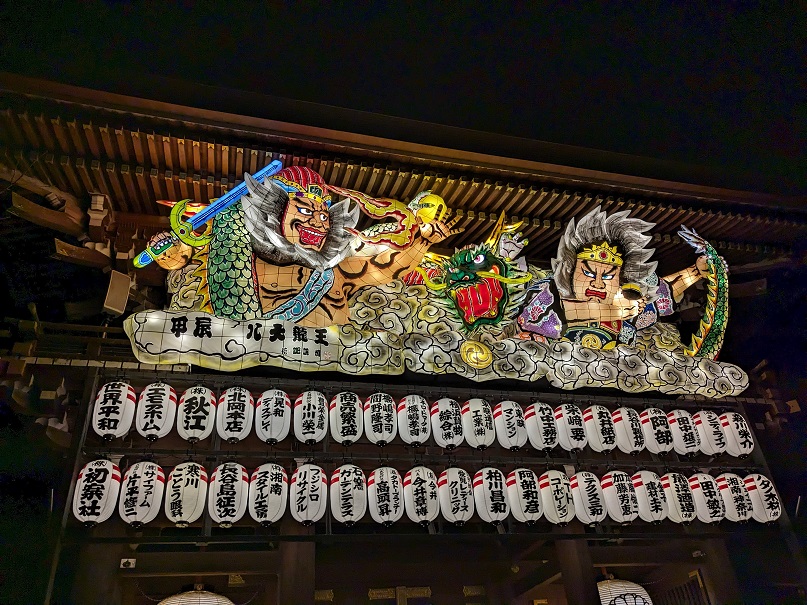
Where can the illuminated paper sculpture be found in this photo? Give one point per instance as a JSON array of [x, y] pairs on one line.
[[284, 278]]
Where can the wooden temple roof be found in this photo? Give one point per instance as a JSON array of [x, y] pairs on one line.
[[138, 151]]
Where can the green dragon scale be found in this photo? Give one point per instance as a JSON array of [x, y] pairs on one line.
[[708, 340]]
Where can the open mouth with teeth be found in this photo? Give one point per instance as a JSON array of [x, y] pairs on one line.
[[310, 237], [481, 301]]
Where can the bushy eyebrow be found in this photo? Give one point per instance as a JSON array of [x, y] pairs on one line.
[[304, 200]]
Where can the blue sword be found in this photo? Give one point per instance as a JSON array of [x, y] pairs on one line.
[[183, 230]]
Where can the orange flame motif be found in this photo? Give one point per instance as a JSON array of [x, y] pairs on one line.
[[191, 208]]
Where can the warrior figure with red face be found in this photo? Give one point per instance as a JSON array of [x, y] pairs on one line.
[[287, 252]]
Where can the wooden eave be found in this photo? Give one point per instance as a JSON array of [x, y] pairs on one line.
[[138, 150]]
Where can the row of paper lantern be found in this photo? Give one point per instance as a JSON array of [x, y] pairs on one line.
[[420, 493], [475, 422]]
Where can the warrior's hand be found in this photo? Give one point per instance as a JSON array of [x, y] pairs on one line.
[[702, 266], [511, 245], [437, 231]]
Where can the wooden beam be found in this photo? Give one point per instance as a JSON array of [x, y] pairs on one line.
[[156, 564], [44, 217], [80, 256]]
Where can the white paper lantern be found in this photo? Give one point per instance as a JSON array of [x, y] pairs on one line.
[[658, 438], [622, 592], [114, 410], [420, 495], [490, 495], [186, 493], [273, 416], [346, 418], [680, 503], [196, 597], [456, 494], [234, 414], [628, 426], [228, 494], [380, 419], [196, 415], [766, 507], [686, 441], [542, 430], [268, 493], [556, 496], [709, 506], [142, 493], [739, 441], [348, 494], [620, 496], [650, 495], [385, 495], [156, 411], [589, 501], [446, 416], [739, 506], [309, 494], [477, 423], [511, 431], [414, 425], [710, 433], [96, 494], [524, 496], [571, 432], [600, 430], [310, 417]]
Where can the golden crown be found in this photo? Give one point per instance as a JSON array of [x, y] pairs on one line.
[[602, 253]]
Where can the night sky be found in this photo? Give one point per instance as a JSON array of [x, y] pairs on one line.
[[717, 84]]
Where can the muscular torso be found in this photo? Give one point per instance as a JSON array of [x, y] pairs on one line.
[[279, 283]]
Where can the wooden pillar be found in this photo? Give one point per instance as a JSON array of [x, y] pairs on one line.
[[718, 574], [577, 569], [97, 581], [297, 561]]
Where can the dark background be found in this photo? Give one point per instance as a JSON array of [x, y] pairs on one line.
[[718, 84]]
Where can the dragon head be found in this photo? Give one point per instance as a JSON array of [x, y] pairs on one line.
[[477, 280]]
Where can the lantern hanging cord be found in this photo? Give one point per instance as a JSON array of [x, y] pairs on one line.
[[143, 594]]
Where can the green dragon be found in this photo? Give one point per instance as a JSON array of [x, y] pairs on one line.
[[708, 340]]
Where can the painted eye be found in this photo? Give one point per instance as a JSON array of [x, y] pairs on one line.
[[304, 211], [323, 217], [480, 258], [606, 277], [588, 273]]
